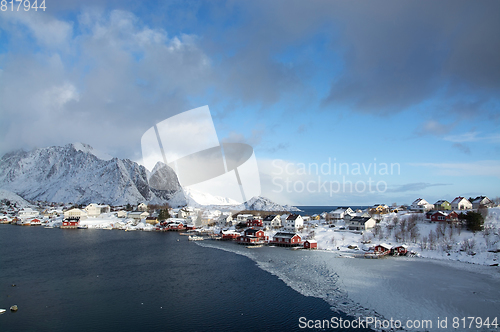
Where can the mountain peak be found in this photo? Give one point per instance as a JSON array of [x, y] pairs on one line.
[[88, 149]]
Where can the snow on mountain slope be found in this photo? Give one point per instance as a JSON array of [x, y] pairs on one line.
[[203, 200], [196, 198], [13, 198], [87, 148], [74, 174], [265, 204]]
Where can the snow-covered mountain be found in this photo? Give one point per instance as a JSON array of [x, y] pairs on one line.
[[6, 195], [265, 204], [198, 199], [76, 173], [195, 198], [73, 173]]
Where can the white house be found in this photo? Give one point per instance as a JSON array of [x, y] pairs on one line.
[[27, 213], [482, 201], [225, 219], [138, 215], [340, 212], [142, 207], [75, 213], [210, 216], [121, 214], [421, 205], [361, 223], [188, 212], [244, 217], [461, 203], [94, 210], [271, 221], [294, 222]]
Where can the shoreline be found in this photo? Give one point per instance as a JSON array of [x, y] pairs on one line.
[[378, 288]]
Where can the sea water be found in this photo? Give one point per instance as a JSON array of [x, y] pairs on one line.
[[110, 280]]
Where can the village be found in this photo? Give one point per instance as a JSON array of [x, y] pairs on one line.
[[419, 229]]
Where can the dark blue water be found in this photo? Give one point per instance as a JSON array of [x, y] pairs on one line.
[[311, 209], [108, 280]]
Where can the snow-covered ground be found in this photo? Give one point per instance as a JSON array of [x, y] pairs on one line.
[[450, 243], [401, 288], [13, 198]]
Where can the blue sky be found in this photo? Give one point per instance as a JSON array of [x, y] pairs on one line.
[[305, 83]]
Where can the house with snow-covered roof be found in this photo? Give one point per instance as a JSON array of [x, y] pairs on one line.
[[94, 210], [360, 223], [272, 221], [225, 219], [138, 215], [286, 239], [421, 205], [75, 214], [461, 203], [142, 207], [27, 213], [310, 244], [482, 201], [293, 223], [444, 216], [341, 212], [379, 208], [244, 217], [383, 248], [442, 205]]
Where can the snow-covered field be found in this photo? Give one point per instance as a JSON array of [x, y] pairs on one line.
[[450, 243], [107, 221]]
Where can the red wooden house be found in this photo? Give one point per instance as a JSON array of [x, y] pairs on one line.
[[230, 235], [255, 223], [310, 244], [35, 222], [249, 240], [286, 239], [382, 249], [443, 216], [256, 232], [70, 223], [252, 236], [400, 250], [175, 226]]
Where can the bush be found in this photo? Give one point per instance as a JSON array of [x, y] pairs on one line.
[[474, 221]]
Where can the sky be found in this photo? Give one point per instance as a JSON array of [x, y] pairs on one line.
[[344, 102]]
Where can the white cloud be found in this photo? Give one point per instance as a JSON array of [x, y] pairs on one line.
[[47, 30], [119, 78], [473, 136], [477, 168]]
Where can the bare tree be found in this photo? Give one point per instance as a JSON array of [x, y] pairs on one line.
[[483, 210], [381, 234], [423, 243], [414, 234], [468, 245], [432, 239]]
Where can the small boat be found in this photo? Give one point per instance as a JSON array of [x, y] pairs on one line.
[[195, 238], [83, 227], [2, 311], [13, 308]]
